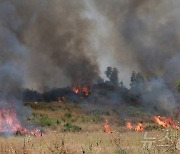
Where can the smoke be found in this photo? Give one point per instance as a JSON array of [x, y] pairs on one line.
[[145, 37], [13, 52], [147, 34], [160, 96], [47, 43], [59, 42], [70, 40]]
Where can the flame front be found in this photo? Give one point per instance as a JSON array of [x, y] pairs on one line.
[[106, 127], [60, 99], [81, 89], [138, 127], [10, 124], [165, 122], [76, 90], [85, 90], [129, 125]]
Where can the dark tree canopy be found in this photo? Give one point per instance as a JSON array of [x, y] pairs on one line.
[[137, 82], [112, 75]]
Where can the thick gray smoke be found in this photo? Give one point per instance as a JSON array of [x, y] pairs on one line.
[[148, 36], [12, 51], [56, 43], [45, 44], [13, 55], [141, 35], [59, 48]]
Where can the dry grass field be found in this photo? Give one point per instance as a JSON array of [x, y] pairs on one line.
[[69, 130]]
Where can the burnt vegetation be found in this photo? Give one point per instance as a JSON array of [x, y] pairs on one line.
[[111, 92]]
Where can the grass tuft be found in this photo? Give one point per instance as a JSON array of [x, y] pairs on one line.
[[69, 127]]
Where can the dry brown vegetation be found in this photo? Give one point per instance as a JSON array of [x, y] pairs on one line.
[[69, 130]]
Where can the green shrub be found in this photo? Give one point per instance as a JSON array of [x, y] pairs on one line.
[[40, 106], [121, 151], [152, 127], [85, 119], [58, 121], [97, 118], [45, 121], [68, 115], [99, 112], [37, 117], [68, 127], [94, 118]]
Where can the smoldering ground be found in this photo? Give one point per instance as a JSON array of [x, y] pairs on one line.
[[56, 43]]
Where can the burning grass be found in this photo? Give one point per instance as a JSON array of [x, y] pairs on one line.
[[165, 122], [138, 127], [73, 131], [107, 128], [9, 123]]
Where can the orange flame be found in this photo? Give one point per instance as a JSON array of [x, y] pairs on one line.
[[85, 90], [81, 89], [76, 90], [106, 127], [60, 99], [129, 125], [139, 127], [165, 122], [10, 124]]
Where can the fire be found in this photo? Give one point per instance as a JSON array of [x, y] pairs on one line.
[[84, 90], [138, 127], [106, 127], [9, 123], [76, 90], [165, 122], [158, 120], [60, 99], [129, 125]]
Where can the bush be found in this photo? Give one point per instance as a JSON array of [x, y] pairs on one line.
[[68, 127], [85, 119], [45, 121], [121, 151], [152, 127], [68, 115], [99, 112], [97, 118], [94, 118], [58, 121]]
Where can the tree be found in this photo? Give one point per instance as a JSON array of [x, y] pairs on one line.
[[137, 82], [112, 75], [133, 80], [121, 84], [108, 72]]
